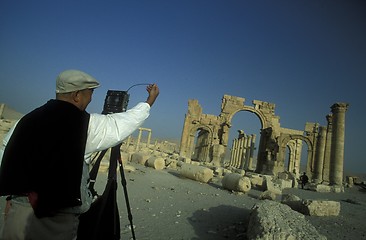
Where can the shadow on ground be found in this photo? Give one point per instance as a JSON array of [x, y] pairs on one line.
[[222, 222]]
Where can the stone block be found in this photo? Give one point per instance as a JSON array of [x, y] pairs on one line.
[[198, 173], [236, 182], [267, 195], [256, 181], [320, 188], [171, 163], [157, 163], [337, 189], [140, 158], [271, 186], [321, 208]]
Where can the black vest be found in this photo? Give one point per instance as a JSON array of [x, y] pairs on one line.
[[45, 155]]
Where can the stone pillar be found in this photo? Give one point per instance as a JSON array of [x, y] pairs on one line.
[[337, 152], [243, 152], [138, 140], [252, 148], [328, 147], [233, 152], [149, 138], [128, 142], [2, 107], [247, 151], [319, 155]]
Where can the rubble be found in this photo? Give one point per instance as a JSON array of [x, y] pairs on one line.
[[273, 220]]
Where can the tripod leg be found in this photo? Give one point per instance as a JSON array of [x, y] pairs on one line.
[[124, 184]]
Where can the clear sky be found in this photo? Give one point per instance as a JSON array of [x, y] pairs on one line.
[[301, 55]]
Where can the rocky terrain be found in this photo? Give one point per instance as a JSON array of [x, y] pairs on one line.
[[167, 206]]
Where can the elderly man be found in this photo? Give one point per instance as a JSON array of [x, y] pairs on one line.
[[44, 167]]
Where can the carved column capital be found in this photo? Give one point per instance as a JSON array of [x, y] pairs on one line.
[[339, 107]]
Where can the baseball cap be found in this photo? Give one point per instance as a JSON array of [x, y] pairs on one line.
[[74, 80]]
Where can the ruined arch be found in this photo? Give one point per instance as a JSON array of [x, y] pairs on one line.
[[201, 149], [250, 109], [220, 125], [289, 139]]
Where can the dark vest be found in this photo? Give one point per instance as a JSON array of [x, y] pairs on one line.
[[45, 155]]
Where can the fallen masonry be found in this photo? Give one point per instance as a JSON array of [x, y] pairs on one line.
[[273, 220]]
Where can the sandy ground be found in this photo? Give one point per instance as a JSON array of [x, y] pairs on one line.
[[167, 206]]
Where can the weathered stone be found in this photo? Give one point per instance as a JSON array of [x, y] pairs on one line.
[[293, 201], [129, 168], [198, 173], [312, 207], [140, 158], [271, 186], [219, 171], [321, 208], [171, 163], [157, 163], [236, 182], [283, 183], [337, 188], [256, 180], [289, 197], [320, 188], [184, 160], [276, 221], [267, 195], [283, 175]]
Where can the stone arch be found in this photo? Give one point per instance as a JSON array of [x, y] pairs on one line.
[[287, 140], [259, 114], [220, 125], [204, 144]]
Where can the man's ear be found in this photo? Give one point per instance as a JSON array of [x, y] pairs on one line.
[[75, 96]]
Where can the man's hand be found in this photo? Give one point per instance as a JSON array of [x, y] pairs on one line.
[[153, 91]]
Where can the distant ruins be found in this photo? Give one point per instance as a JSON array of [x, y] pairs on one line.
[[325, 156]]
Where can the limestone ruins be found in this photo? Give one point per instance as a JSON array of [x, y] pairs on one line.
[[325, 144]]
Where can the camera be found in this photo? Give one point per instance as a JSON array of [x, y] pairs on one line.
[[115, 101]]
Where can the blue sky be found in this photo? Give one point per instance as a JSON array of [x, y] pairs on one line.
[[301, 55]]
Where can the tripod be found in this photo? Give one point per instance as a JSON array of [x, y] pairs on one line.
[[108, 225]]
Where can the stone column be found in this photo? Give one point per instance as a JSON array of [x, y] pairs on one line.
[[128, 142], [243, 152], [297, 154], [138, 140], [252, 148], [337, 152], [328, 147], [233, 152], [149, 138], [2, 107], [247, 151], [319, 155]]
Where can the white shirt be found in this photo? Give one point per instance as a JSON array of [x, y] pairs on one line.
[[104, 131]]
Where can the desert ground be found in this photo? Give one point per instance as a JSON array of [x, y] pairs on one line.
[[165, 205]]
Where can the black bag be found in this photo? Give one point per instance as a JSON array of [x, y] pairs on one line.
[[101, 221]]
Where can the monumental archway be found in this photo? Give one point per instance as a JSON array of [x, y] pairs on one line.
[[220, 125]]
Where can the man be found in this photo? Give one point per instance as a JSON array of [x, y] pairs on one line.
[[44, 167], [304, 180]]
